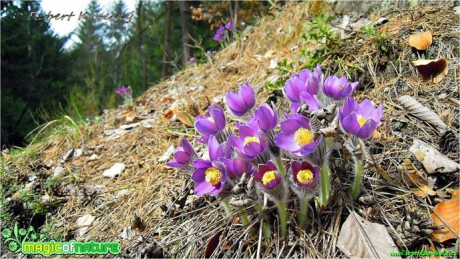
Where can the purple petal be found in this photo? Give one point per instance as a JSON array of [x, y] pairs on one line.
[[248, 96], [367, 129], [348, 107], [286, 141], [206, 127], [310, 101], [181, 157], [202, 163], [235, 142], [350, 123], [217, 113], [202, 188], [366, 108], [215, 150], [199, 175], [187, 146], [295, 106], [174, 164], [309, 148], [252, 149]]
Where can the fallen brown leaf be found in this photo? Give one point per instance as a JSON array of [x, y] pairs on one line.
[[448, 211], [421, 41], [431, 70]]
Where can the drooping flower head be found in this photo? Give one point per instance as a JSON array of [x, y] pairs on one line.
[[183, 155], [243, 101], [219, 33], [250, 143], [360, 119], [236, 167], [265, 117], [213, 124], [338, 88], [304, 174], [209, 175], [268, 175], [124, 91], [296, 136]]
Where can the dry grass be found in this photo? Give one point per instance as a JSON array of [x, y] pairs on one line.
[[146, 184]]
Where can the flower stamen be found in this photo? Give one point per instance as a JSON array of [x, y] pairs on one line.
[[248, 140], [303, 137], [361, 120], [213, 175], [268, 177], [305, 176]]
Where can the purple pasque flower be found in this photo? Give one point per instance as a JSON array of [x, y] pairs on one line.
[[192, 60], [124, 91], [304, 174], [213, 124], [209, 175], [229, 26], [296, 136], [183, 155], [265, 118], [312, 79], [268, 175], [240, 103], [306, 81], [219, 33], [360, 119], [338, 88], [236, 167], [250, 143]]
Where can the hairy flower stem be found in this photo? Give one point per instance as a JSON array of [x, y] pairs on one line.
[[303, 212], [355, 188], [283, 217], [265, 225], [324, 174], [245, 219], [325, 184], [226, 207]]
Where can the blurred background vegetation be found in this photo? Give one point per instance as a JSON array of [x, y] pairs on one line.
[[41, 80]]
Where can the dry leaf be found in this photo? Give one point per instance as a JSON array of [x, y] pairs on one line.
[[168, 115], [431, 70], [360, 238], [422, 112], [212, 245], [182, 115], [376, 135], [423, 191], [410, 174], [448, 211], [432, 159], [421, 41]]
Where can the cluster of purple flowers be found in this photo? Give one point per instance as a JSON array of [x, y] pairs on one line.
[[222, 29], [279, 159]]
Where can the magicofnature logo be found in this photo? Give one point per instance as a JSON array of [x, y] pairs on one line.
[[20, 240]]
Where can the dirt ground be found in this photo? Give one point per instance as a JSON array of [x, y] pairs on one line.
[[149, 207]]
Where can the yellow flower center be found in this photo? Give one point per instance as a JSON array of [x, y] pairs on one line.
[[340, 87], [211, 119], [268, 177], [305, 176], [213, 175], [250, 140], [361, 120], [303, 137]]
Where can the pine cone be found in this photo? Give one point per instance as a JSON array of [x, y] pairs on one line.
[[413, 229], [448, 142]]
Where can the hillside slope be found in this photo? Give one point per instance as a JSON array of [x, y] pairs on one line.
[[57, 183]]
